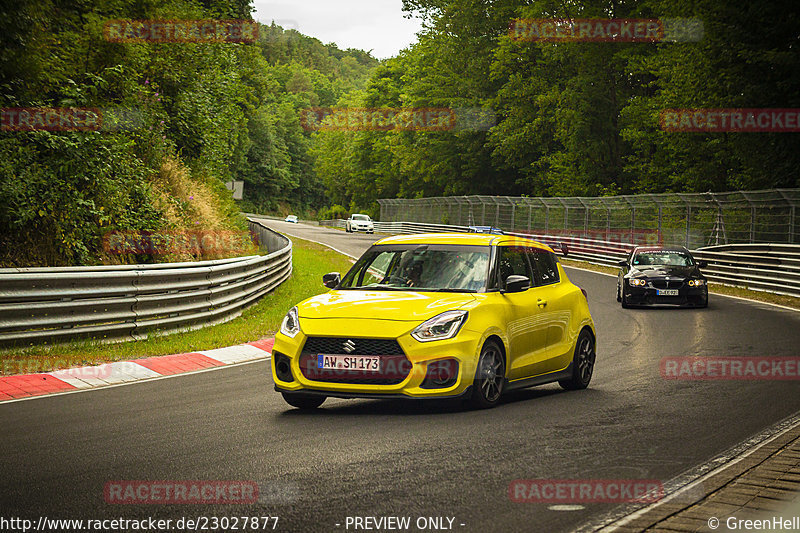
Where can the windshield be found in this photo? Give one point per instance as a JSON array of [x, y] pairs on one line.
[[420, 268], [662, 258], [360, 217]]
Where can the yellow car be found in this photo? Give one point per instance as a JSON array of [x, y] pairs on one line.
[[438, 316]]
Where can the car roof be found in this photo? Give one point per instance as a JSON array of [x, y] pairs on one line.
[[479, 239]]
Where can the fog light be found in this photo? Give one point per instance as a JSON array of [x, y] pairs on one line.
[[441, 374], [283, 367]]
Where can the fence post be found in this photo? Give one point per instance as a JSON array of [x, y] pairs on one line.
[[530, 212], [546, 219], [752, 225], [688, 223]]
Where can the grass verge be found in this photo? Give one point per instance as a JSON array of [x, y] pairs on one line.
[[310, 262], [714, 288]]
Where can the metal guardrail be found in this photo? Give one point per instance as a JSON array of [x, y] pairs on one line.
[[128, 302], [766, 267]]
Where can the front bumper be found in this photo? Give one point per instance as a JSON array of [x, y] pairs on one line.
[[648, 296], [464, 349], [366, 229]]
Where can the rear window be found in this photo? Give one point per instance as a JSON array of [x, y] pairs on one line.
[[544, 264]]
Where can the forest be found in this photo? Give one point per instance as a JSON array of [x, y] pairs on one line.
[[182, 119]]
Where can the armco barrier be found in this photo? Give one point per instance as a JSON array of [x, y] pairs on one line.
[[126, 302], [772, 268]]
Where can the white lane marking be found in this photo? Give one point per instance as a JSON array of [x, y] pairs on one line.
[[690, 480], [147, 380], [234, 354], [749, 300], [565, 507]]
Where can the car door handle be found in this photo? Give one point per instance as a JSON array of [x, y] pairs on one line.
[[541, 303]]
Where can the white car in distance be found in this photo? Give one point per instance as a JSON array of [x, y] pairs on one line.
[[359, 222]]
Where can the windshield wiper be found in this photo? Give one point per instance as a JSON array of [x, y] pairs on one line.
[[448, 289]]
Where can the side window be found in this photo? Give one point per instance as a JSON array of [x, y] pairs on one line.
[[513, 263], [544, 265]]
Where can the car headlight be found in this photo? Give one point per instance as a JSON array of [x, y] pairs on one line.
[[440, 327], [291, 324], [637, 282], [697, 282]]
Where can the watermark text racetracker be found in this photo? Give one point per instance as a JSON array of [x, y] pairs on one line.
[[416, 119], [70, 119], [180, 31], [166, 242], [557, 30], [731, 368], [585, 491], [195, 523], [745, 120]]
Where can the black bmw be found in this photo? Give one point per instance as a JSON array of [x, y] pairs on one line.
[[663, 275]]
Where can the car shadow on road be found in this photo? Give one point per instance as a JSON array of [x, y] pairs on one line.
[[400, 407]]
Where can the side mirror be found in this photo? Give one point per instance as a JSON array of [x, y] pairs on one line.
[[517, 284], [702, 264], [331, 280], [622, 263]]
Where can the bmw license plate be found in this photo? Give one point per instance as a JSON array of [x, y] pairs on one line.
[[349, 362], [668, 292]]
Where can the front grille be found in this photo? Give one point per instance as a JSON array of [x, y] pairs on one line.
[[394, 368], [664, 284], [335, 345]]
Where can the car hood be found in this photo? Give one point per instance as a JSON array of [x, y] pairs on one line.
[[382, 305], [664, 271]]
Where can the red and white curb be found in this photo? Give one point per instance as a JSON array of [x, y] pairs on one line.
[[89, 377]]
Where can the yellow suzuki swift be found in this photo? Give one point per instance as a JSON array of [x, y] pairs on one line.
[[438, 316]]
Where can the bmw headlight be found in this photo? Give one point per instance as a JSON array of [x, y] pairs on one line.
[[440, 327], [290, 325], [697, 282], [637, 282]]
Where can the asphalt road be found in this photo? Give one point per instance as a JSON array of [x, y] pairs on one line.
[[379, 458]]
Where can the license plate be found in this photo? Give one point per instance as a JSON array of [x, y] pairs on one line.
[[668, 292], [359, 363]]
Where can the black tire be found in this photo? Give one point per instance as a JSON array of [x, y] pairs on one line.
[[624, 300], [582, 363], [490, 377], [347, 228], [303, 401], [619, 291]]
